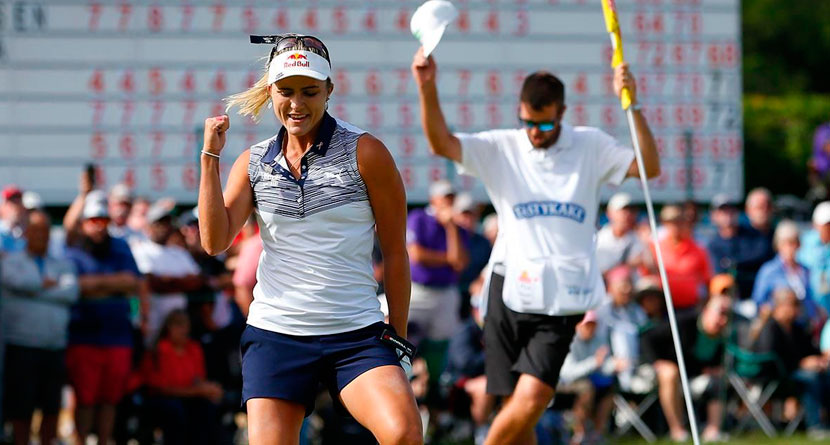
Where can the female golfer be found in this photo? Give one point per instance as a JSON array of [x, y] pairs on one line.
[[319, 187]]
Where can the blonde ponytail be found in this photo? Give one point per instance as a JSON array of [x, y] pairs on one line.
[[250, 101]]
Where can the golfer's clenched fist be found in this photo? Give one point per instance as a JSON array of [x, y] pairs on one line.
[[215, 129]]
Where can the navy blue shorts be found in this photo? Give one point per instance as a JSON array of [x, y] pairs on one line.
[[292, 367]]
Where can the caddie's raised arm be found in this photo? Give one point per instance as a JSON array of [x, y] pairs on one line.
[[441, 141], [623, 79]]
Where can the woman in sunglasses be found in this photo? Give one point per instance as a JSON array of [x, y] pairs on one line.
[[319, 188]]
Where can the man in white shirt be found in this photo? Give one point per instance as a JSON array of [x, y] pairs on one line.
[[170, 270], [617, 241], [544, 182]]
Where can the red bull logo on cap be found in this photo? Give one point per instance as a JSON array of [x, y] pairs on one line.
[[295, 60]]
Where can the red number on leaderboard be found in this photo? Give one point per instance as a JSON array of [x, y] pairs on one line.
[[373, 83], [250, 22], [155, 18], [465, 115], [129, 177], [159, 177], [370, 21], [408, 145], [127, 115], [406, 175], [96, 81], [491, 23], [158, 112], [94, 16], [189, 177], [341, 80], [405, 115], [189, 111], [340, 19], [403, 80], [580, 114], [219, 11], [522, 23], [463, 21], [310, 19], [463, 82], [128, 82], [98, 144], [126, 145], [581, 84], [189, 82], [341, 112], [156, 81], [98, 107], [494, 117], [220, 82], [187, 17], [281, 19], [125, 10], [494, 83], [374, 116], [158, 143], [402, 21]]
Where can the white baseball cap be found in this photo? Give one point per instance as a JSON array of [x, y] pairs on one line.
[[32, 201], [429, 22], [298, 63], [441, 187], [619, 201], [821, 215], [95, 205]]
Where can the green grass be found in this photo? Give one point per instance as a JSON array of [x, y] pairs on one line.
[[797, 439]]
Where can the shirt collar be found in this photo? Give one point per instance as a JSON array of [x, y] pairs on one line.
[[564, 141], [321, 143]]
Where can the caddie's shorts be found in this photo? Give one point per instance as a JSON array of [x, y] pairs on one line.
[[518, 343], [292, 367]]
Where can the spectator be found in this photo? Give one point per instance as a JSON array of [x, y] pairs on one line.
[[801, 359], [466, 216], [100, 330], [38, 290], [735, 249], [623, 319], [120, 205], [815, 255], [437, 254], [465, 369], [759, 211], [819, 164], [785, 271], [32, 201], [179, 398], [588, 372], [702, 342], [170, 270], [137, 221], [12, 220], [687, 264], [650, 297], [244, 277], [617, 241]]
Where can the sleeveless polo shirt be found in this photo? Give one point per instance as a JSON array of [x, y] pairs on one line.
[[315, 271]]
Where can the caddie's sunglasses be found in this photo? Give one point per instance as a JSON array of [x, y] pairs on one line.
[[285, 42], [542, 126]]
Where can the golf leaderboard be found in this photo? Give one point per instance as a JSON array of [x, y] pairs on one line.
[[138, 78]]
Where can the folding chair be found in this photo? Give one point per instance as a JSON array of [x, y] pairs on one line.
[[632, 417], [748, 375]]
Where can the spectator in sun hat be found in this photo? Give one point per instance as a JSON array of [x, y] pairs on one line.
[[617, 241], [99, 355], [814, 254]]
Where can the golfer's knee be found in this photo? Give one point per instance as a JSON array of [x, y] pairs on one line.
[[405, 433], [534, 402], [667, 371]]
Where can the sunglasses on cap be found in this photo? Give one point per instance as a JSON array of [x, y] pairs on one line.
[[286, 42], [542, 126]]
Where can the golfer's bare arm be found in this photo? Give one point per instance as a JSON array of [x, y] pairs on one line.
[[441, 141], [221, 216], [388, 200]]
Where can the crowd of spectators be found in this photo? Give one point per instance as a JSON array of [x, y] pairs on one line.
[[119, 303]]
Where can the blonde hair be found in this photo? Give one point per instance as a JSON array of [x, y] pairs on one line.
[[251, 101]]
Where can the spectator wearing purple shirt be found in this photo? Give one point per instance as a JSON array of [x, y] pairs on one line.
[[437, 253], [819, 164]]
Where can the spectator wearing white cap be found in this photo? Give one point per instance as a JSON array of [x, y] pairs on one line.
[[170, 270], [815, 254], [617, 241]]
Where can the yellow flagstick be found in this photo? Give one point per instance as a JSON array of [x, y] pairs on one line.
[[613, 28]]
